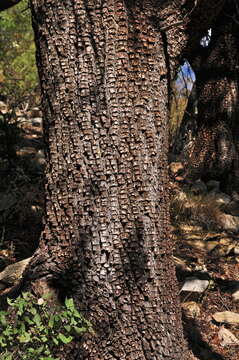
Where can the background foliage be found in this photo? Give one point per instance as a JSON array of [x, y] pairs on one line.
[[18, 73]]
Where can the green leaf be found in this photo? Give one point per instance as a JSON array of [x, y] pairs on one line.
[[32, 310], [21, 304], [65, 339], [26, 295], [24, 338], [39, 350], [8, 331], [3, 317], [37, 319], [80, 330], [10, 302], [51, 321], [70, 304], [44, 339], [28, 320], [73, 321], [77, 314], [22, 328], [7, 356], [55, 341], [68, 328], [2, 341]]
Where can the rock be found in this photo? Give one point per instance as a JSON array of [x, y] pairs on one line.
[[37, 122], [236, 250], [228, 222], [180, 263], [198, 188], [40, 158], [227, 241], [213, 186], [12, 273], [235, 294], [227, 337], [222, 250], [222, 199], [191, 309], [34, 113], [210, 245], [190, 229], [232, 208], [193, 284], [227, 317], [175, 168]]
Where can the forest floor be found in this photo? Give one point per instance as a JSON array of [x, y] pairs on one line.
[[205, 233], [205, 230]]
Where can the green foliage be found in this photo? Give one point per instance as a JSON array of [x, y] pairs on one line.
[[18, 74], [32, 329]]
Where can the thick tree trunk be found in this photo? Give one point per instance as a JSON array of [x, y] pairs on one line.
[[105, 69]]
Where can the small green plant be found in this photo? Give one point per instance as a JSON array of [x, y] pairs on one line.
[[32, 329]]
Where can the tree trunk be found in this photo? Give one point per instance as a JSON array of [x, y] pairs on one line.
[[105, 69], [214, 153]]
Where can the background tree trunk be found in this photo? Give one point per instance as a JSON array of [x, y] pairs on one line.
[[214, 152], [105, 69]]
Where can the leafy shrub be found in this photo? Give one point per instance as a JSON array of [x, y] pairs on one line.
[[18, 73], [32, 329]]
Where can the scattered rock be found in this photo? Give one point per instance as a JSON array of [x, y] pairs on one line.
[[198, 188], [211, 245], [225, 240], [37, 122], [227, 337], [222, 199], [40, 158], [235, 295], [232, 208], [227, 317], [12, 273], [180, 263], [228, 222], [190, 228], [222, 250], [193, 284], [34, 113], [191, 309], [175, 168]]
